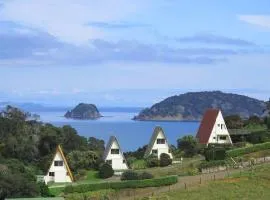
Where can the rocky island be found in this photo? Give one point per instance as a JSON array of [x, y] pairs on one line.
[[84, 111], [192, 105]]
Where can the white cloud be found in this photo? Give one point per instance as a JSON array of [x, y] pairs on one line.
[[67, 19], [259, 20]]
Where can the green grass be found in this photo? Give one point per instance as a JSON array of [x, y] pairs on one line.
[[248, 185], [138, 164], [177, 169]]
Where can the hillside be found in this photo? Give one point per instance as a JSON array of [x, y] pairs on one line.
[[192, 105], [84, 111]]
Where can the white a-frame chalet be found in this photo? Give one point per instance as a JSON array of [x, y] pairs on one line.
[[59, 171], [158, 144], [213, 129], [114, 155]]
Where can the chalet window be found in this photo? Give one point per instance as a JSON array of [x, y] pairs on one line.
[[154, 151], [169, 151], [160, 141], [67, 174], [222, 137], [51, 173], [114, 151], [214, 138], [218, 125], [109, 162], [221, 126], [58, 163], [124, 161]]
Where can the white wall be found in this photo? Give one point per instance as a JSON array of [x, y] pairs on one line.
[[219, 129], [60, 172], [162, 148], [117, 159]]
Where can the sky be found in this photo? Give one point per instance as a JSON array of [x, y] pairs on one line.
[[132, 52]]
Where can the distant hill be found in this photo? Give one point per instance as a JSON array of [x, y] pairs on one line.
[[84, 111], [192, 105]]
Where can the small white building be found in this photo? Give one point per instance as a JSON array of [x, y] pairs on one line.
[[114, 156], [158, 144], [59, 171], [213, 129]]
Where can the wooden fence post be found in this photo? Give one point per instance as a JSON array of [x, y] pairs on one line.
[[185, 186], [200, 180]]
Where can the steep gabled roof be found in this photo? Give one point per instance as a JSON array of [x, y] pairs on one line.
[[157, 130], [207, 125], [59, 149], [109, 145]]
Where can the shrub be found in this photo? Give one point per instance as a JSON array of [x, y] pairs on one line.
[[157, 182], [246, 150], [129, 175], [214, 154], [215, 163], [152, 161], [145, 175], [106, 171], [188, 144], [44, 190], [165, 160], [258, 137]]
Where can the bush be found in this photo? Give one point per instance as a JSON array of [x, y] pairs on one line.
[[106, 171], [44, 190], [246, 150], [214, 154], [168, 180], [129, 175], [215, 163], [165, 160], [145, 175], [152, 161], [258, 137], [188, 144]]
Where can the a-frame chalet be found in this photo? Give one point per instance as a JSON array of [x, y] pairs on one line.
[[59, 171], [158, 144], [213, 129], [114, 155]]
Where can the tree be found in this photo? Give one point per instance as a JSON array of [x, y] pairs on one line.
[[96, 145], [82, 160], [165, 160], [268, 123], [234, 122], [188, 144], [138, 154]]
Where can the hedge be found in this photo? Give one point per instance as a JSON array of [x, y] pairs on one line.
[[214, 154], [246, 150], [215, 163], [157, 182]]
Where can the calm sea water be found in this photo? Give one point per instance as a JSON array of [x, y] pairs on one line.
[[131, 134]]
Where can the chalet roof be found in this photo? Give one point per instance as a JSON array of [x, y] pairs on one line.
[[207, 125], [157, 130], [109, 145], [59, 149]]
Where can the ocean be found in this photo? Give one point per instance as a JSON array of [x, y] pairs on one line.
[[130, 134]]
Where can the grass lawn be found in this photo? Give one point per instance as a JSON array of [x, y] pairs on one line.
[[248, 185], [138, 164], [176, 169]]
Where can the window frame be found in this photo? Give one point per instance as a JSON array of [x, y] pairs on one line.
[[161, 139], [115, 151], [58, 163]]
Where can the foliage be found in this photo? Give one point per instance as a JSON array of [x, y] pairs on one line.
[[129, 175], [157, 182], [92, 195], [188, 144], [96, 145], [258, 137], [106, 171], [137, 164], [165, 160], [138, 154], [214, 163], [152, 161], [132, 175], [268, 123], [214, 154], [82, 160], [234, 122], [44, 190], [246, 150]]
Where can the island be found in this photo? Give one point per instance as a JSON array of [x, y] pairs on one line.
[[191, 106], [84, 111]]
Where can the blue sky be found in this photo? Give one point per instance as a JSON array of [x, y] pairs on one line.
[[132, 52]]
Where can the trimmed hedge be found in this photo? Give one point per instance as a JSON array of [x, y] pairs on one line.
[[246, 150], [214, 154], [157, 182], [210, 164]]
